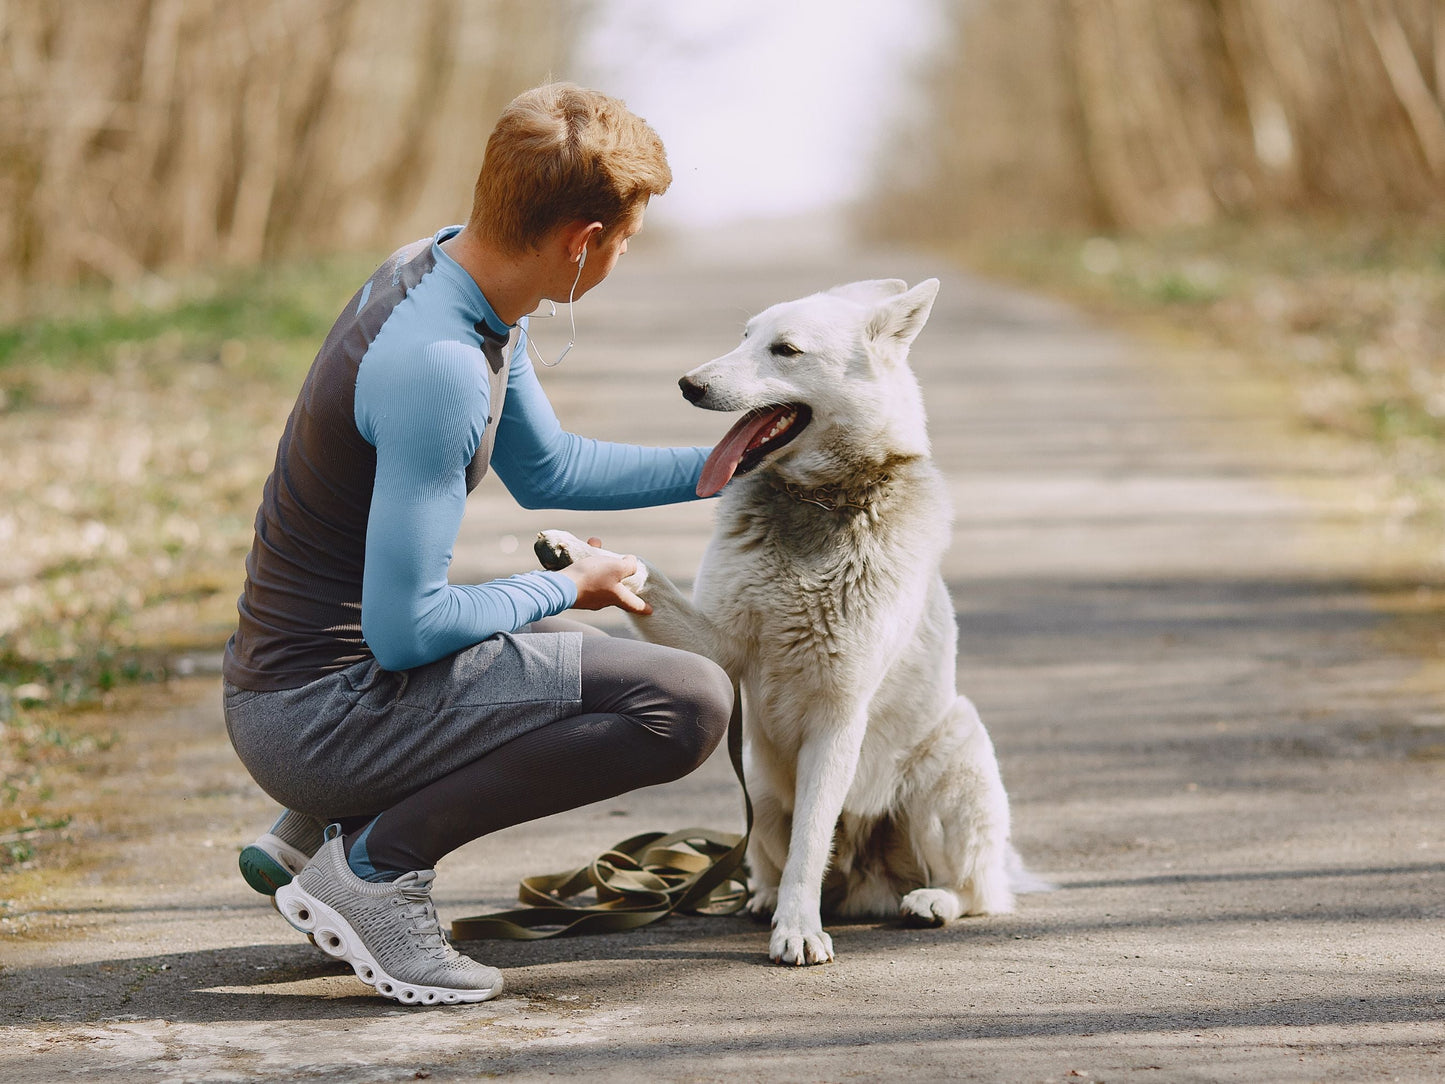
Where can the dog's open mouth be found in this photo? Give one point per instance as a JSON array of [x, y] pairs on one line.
[[757, 435]]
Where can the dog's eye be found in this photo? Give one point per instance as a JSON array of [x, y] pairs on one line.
[[784, 350]]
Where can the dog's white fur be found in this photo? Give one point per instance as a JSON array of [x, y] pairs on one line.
[[827, 605]]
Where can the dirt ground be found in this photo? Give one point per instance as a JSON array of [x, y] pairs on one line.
[[1212, 676]]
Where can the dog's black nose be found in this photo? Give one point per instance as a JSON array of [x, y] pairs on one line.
[[690, 391]]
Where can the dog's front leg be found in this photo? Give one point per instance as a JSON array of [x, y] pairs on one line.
[[674, 621], [827, 761], [768, 781]]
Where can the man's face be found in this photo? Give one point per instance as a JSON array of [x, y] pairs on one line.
[[606, 248]]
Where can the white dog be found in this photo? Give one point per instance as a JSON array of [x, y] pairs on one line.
[[821, 595]]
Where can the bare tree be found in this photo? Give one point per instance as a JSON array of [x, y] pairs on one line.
[[143, 134], [1137, 114]]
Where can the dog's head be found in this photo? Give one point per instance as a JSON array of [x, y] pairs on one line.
[[824, 383]]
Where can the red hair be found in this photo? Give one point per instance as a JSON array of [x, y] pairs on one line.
[[561, 153]]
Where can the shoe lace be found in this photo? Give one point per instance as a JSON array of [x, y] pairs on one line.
[[418, 909]]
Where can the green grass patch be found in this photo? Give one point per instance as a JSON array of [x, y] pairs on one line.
[[202, 325], [233, 316]]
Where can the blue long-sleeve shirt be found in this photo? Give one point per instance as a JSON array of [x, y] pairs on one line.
[[355, 531]]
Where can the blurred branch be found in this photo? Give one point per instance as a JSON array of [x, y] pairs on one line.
[[259, 123], [1438, 48], [1405, 77], [438, 52]]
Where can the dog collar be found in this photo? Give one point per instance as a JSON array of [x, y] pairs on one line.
[[837, 496]]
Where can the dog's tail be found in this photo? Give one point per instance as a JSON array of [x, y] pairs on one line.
[[1021, 879]]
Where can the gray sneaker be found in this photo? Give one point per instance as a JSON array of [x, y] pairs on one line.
[[388, 933]]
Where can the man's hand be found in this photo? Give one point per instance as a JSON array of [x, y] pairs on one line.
[[599, 576]]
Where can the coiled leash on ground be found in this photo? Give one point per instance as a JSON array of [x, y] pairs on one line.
[[636, 882]]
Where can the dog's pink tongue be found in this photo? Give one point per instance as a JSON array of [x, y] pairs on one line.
[[719, 468]]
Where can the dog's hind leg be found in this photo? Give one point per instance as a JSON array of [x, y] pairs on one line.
[[870, 860], [957, 822]]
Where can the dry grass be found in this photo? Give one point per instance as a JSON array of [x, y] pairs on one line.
[[1351, 318], [135, 440]]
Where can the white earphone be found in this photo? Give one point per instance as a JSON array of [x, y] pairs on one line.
[[571, 342]]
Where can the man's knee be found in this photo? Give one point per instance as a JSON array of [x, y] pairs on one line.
[[704, 704]]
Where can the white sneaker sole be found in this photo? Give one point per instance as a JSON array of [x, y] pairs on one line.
[[334, 936], [288, 856]]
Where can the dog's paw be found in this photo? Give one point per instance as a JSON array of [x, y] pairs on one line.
[[797, 945], [762, 900], [930, 907], [556, 550]]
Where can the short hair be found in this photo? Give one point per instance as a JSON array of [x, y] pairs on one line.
[[559, 153]]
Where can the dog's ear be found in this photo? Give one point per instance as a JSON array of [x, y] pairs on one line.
[[899, 319], [869, 291]]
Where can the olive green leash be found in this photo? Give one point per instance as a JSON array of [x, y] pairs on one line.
[[636, 882]]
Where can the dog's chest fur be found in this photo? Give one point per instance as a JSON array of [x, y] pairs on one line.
[[813, 589]]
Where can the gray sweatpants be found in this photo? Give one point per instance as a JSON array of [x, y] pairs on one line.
[[364, 740]]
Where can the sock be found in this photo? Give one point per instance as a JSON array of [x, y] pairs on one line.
[[298, 830]]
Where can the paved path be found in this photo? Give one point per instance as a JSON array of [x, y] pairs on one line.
[[1204, 688]]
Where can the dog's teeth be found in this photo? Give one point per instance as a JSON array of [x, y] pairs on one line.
[[778, 426]]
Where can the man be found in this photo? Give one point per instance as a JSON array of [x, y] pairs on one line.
[[362, 690]]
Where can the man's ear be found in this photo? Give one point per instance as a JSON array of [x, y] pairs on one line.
[[899, 319], [578, 235]]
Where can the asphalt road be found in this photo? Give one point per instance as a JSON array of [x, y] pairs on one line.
[[1208, 671]]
